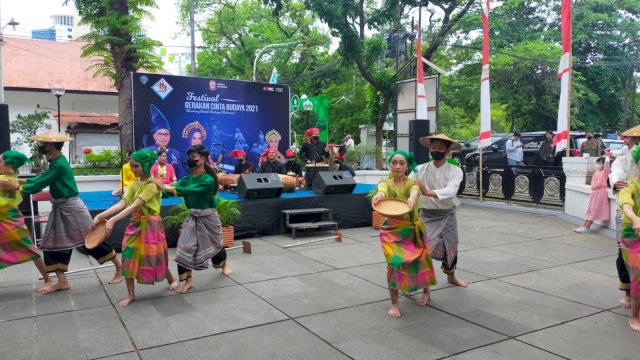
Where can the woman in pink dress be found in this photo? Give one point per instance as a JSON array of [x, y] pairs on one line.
[[598, 206], [163, 170]]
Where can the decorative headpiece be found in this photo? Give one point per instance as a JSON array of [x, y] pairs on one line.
[[273, 132], [194, 126]]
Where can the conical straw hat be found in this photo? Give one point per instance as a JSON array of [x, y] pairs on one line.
[[634, 131], [426, 141], [51, 136]]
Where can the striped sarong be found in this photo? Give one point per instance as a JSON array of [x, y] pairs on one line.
[[442, 232], [631, 255], [16, 245], [68, 225], [405, 249], [144, 250], [200, 239]]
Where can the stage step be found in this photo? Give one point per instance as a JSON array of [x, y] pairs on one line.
[[311, 225]]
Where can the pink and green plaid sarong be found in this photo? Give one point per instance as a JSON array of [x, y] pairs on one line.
[[409, 266], [630, 246], [144, 250], [16, 246]]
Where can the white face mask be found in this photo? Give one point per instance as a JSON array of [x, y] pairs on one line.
[[599, 167]]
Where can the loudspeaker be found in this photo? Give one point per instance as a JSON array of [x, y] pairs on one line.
[[418, 129], [259, 186], [5, 136], [333, 182]]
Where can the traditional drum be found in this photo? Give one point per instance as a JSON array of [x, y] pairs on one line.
[[227, 179], [288, 183], [312, 170]]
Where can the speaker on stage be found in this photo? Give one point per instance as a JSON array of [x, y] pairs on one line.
[[5, 136], [259, 186], [333, 182], [418, 129]]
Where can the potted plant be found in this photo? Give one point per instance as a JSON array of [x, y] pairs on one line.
[[176, 216], [229, 212], [376, 217]]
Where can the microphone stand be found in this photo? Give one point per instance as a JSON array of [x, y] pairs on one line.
[[119, 129]]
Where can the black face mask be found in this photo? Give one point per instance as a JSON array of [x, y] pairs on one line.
[[316, 137], [42, 149], [241, 161], [437, 155], [191, 163], [589, 137]]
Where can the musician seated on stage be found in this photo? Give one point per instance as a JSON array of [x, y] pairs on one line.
[[292, 165], [243, 166], [271, 165], [344, 166], [314, 150]]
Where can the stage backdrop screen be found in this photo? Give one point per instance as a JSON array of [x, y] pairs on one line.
[[175, 112]]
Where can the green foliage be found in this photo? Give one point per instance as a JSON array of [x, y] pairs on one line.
[[177, 215], [105, 159], [84, 171], [25, 126], [228, 210]]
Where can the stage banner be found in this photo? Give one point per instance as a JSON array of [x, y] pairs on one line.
[[176, 112]]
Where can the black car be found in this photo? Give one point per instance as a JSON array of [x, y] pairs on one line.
[[471, 146], [495, 154]]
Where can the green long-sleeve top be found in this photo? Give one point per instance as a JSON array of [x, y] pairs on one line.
[[59, 178], [198, 191]]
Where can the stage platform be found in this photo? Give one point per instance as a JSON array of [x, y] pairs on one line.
[[259, 217]]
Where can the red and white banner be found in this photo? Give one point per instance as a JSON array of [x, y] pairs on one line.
[[564, 73], [485, 94], [421, 96]]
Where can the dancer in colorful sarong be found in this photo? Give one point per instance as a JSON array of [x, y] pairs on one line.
[[201, 236], [630, 244], [16, 246], [404, 240], [144, 247], [69, 221], [439, 181]]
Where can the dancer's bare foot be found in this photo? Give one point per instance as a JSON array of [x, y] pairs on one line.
[[226, 270], [452, 279], [424, 298], [394, 311], [126, 301], [625, 302], [59, 286], [635, 324], [117, 278], [184, 288], [173, 285], [46, 286]]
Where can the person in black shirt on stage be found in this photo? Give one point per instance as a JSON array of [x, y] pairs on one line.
[[314, 150], [343, 166], [243, 166], [292, 166], [271, 165]]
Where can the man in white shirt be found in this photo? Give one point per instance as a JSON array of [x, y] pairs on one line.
[[629, 143], [514, 150], [623, 169], [439, 182]]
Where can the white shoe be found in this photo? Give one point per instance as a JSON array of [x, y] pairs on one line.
[[580, 230]]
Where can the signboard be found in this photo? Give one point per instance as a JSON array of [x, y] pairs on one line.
[[295, 103]]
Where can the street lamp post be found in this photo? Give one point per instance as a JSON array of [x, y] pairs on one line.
[[272, 46], [308, 107], [12, 23], [58, 91]]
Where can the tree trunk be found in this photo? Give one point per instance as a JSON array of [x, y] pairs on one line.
[[382, 117], [125, 112]]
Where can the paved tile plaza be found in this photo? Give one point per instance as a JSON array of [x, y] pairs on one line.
[[537, 291]]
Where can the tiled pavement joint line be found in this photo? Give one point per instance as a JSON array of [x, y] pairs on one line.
[[543, 349]]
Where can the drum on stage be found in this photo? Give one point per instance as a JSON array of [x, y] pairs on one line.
[[228, 179], [312, 170], [288, 183]]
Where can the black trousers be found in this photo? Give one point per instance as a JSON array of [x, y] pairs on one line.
[[449, 268], [218, 261], [623, 273], [59, 260]]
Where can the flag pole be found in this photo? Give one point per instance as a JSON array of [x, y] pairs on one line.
[[481, 187], [570, 74]]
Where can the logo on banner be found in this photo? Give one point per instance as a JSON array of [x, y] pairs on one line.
[[162, 88], [213, 86], [144, 79]]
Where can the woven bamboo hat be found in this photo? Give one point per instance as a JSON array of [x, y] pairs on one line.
[[392, 207], [426, 141], [634, 131], [96, 236], [51, 136]]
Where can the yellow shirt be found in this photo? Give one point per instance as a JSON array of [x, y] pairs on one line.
[[147, 192], [9, 198], [127, 176]]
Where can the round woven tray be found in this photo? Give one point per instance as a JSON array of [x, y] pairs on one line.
[[97, 235], [392, 207]]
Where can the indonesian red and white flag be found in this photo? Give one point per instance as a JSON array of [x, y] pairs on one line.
[[485, 94], [564, 73], [421, 95]]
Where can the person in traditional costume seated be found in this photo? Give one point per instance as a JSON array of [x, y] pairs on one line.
[[293, 168], [273, 138], [313, 150], [404, 240], [144, 248], [69, 221], [162, 170], [201, 236], [272, 165], [16, 245], [439, 181], [243, 166], [126, 177], [630, 244], [343, 165]]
